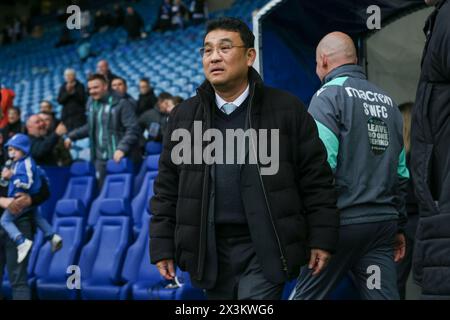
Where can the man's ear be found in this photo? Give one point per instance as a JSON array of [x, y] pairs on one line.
[[323, 61], [251, 56]]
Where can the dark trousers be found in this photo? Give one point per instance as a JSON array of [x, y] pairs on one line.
[[240, 275], [361, 248], [404, 266], [100, 168], [18, 274]]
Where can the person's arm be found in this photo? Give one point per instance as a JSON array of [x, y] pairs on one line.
[[63, 95], [24, 200], [442, 53], [316, 184], [402, 194], [142, 122], [43, 194], [132, 131], [79, 133], [326, 118], [79, 94], [153, 99], [163, 206], [40, 148]]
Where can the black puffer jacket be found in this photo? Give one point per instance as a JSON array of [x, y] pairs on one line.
[[287, 213], [430, 158]]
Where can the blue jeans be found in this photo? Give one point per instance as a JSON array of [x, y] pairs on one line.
[[7, 222]]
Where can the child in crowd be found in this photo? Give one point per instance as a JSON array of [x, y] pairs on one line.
[[23, 176]]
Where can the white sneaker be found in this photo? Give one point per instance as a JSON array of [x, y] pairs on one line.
[[23, 249], [57, 242]]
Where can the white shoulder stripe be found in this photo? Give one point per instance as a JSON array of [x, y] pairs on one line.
[[29, 173]]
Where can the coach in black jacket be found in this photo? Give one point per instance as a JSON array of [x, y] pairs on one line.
[[241, 234], [72, 97], [430, 157]]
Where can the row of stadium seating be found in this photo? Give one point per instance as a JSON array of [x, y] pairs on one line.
[[34, 69], [106, 236]]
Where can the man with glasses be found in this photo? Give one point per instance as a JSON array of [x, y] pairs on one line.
[[242, 234]]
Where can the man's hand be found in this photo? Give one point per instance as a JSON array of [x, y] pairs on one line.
[[67, 143], [400, 247], [166, 268], [70, 86], [5, 202], [61, 129], [318, 261], [21, 202], [6, 173], [118, 155]]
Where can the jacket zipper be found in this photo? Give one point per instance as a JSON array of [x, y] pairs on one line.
[[204, 208], [282, 255]]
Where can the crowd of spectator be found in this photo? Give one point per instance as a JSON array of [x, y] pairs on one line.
[[172, 14], [175, 14], [15, 30], [106, 100]]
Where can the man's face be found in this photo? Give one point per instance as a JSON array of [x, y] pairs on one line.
[[169, 106], [69, 77], [36, 126], [13, 116], [47, 120], [118, 86], [97, 89], [162, 103], [144, 88], [223, 64], [45, 107], [102, 67]]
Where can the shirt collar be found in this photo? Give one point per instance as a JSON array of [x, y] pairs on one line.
[[239, 100]]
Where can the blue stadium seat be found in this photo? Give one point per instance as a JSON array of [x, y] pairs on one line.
[[345, 290], [153, 147], [140, 202], [81, 188], [150, 164], [143, 279], [102, 259], [51, 268], [137, 270], [288, 288], [118, 185]]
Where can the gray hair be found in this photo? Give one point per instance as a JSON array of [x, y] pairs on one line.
[[69, 71]]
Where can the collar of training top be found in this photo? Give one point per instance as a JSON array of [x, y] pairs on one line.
[[351, 70]]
